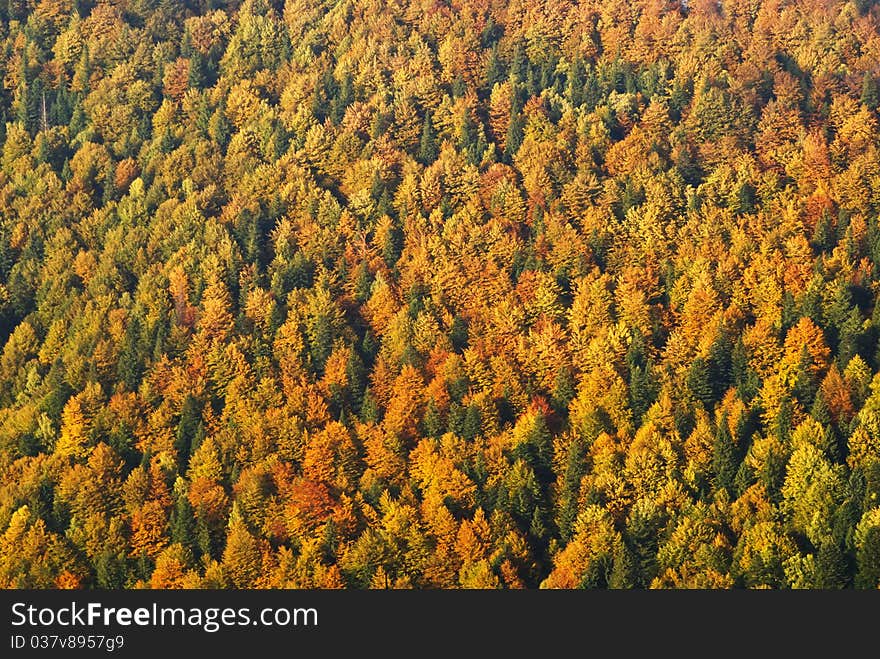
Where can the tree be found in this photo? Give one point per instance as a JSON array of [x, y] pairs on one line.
[[567, 503], [515, 127], [811, 491], [699, 383], [870, 92], [183, 529], [241, 557], [831, 568], [494, 69], [73, 441], [428, 142], [564, 390], [867, 541], [724, 458], [586, 560], [458, 334], [642, 389]]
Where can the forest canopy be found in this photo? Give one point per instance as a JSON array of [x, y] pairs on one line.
[[439, 294]]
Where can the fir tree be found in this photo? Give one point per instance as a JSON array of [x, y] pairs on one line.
[[129, 365], [369, 408], [724, 460], [870, 92], [458, 334], [823, 239], [623, 570], [432, 423], [831, 569], [514, 131], [868, 560], [472, 423], [494, 69], [187, 427], [183, 524], [564, 390], [699, 383], [428, 143]]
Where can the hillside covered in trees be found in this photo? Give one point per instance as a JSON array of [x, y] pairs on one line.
[[439, 294]]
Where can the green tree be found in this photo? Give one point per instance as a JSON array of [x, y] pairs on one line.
[[724, 458], [699, 381], [428, 151], [870, 92]]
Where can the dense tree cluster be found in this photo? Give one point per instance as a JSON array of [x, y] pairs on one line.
[[438, 294]]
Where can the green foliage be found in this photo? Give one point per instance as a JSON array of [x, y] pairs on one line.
[[428, 142]]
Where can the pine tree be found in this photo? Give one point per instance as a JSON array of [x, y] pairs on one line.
[[197, 71], [392, 245], [458, 334], [183, 524], [642, 390], [745, 478], [820, 412], [564, 390], [320, 337], [432, 423], [356, 375], [849, 337], [491, 33], [576, 80], [468, 141], [472, 425], [575, 468], [362, 283], [823, 239], [110, 571], [831, 570], [868, 560], [78, 120], [870, 92], [455, 419], [187, 427], [592, 90], [515, 130], [720, 370], [494, 69], [369, 408], [537, 526], [219, 128], [369, 348], [744, 377], [699, 383], [724, 460], [343, 99], [459, 87], [533, 81], [129, 366], [428, 143], [519, 63], [642, 533], [623, 571], [805, 386], [62, 107]]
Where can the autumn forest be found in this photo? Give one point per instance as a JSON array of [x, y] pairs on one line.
[[439, 294]]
